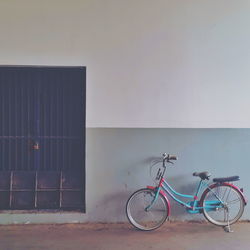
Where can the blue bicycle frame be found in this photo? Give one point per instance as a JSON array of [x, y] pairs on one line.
[[191, 206]]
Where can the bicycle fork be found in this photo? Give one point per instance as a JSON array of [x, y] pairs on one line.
[[154, 200]]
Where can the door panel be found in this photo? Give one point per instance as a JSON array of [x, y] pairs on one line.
[[42, 137]]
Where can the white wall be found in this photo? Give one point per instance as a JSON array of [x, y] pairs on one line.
[[161, 63]]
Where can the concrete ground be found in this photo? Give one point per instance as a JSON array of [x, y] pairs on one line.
[[173, 236]]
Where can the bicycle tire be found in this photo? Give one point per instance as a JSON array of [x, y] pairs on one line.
[[147, 220], [222, 190]]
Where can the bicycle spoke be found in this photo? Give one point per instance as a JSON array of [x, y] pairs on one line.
[[233, 201], [224, 194], [218, 193], [228, 194]]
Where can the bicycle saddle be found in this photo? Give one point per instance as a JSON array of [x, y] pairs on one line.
[[202, 175]]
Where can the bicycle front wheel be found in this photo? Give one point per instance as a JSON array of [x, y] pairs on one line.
[[141, 217], [222, 204]]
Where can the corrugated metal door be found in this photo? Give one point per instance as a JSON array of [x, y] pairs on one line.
[[42, 138]]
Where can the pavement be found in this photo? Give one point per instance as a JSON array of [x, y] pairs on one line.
[[98, 236]]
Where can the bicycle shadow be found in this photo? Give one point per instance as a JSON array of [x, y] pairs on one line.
[[111, 208]]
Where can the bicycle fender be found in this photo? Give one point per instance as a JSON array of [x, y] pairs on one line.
[[243, 196], [228, 184], [164, 195]]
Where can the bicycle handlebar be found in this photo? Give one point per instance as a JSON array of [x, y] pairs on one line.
[[168, 157], [172, 157]]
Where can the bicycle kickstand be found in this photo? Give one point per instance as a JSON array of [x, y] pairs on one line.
[[227, 228]]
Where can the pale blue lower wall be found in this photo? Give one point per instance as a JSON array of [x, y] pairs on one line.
[[118, 161]]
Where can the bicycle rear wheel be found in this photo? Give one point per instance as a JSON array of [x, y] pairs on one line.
[[137, 214], [227, 209]]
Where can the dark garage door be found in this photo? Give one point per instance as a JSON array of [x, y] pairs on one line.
[[42, 138]]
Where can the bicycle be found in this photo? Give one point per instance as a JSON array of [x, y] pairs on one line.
[[221, 202]]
